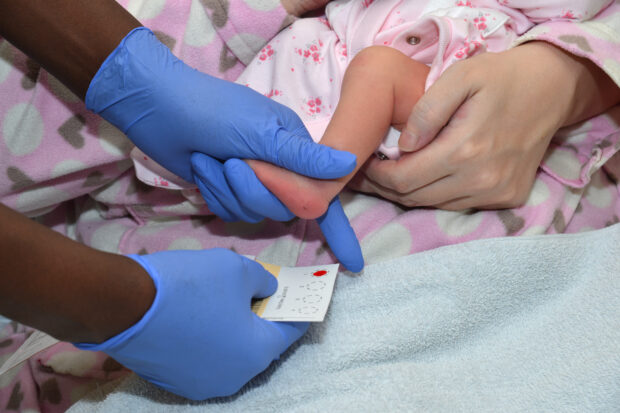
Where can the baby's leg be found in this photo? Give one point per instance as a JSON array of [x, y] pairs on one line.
[[379, 89]]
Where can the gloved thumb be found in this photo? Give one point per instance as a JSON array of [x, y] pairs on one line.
[[262, 282]]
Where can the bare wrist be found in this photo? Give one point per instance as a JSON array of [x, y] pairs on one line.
[[125, 293], [69, 290]]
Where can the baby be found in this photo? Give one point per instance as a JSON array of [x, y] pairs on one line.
[[354, 75]]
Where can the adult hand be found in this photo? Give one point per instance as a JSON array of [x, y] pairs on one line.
[[200, 339], [487, 122], [171, 111]]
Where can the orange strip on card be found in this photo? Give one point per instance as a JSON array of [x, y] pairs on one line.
[[258, 306]]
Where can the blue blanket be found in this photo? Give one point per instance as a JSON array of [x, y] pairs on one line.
[[499, 325]]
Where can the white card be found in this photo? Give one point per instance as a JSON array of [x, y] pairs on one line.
[[303, 294]]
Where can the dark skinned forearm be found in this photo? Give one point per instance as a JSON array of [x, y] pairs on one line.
[[69, 38], [47, 281], [50, 282], [73, 292]]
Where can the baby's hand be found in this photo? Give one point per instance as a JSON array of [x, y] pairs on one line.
[[300, 7]]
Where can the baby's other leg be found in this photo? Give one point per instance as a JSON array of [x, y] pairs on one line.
[[379, 89]]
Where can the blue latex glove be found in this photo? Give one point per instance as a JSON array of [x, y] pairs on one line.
[[171, 111], [239, 179], [200, 339]]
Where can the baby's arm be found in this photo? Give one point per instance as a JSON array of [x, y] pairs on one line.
[[379, 89]]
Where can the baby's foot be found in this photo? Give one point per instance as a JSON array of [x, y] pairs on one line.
[[307, 198]]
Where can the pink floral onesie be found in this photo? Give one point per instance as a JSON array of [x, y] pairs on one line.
[[72, 171]]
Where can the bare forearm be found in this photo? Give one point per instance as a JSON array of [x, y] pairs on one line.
[[66, 289], [594, 90], [69, 38]]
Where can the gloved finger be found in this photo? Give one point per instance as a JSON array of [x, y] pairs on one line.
[[271, 339], [278, 336], [340, 236], [260, 282], [296, 152], [200, 168], [292, 331], [209, 176], [252, 192]]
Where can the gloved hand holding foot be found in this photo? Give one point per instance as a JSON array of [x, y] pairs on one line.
[[222, 184], [170, 110]]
